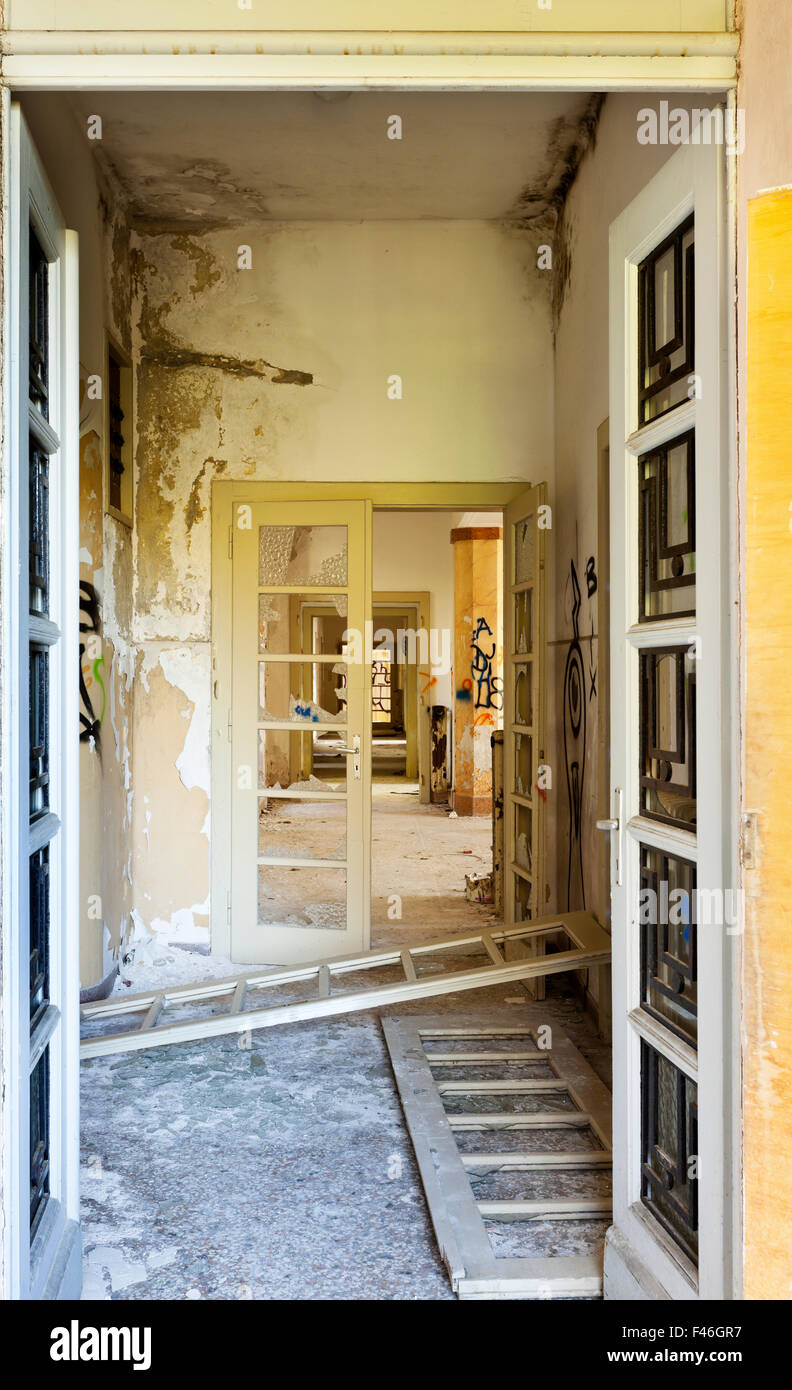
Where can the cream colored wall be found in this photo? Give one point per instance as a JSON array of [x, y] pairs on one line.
[[461, 15], [92, 207], [281, 372], [610, 176]]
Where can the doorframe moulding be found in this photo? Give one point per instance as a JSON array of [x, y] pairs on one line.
[[37, 60]]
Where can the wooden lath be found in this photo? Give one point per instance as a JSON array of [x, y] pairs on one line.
[[589, 945]]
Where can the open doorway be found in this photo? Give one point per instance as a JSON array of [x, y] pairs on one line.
[[202, 375], [437, 699]]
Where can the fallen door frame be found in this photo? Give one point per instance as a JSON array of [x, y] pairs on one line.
[[590, 946], [476, 1272]]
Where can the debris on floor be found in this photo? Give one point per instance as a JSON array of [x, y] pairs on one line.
[[478, 888], [294, 1149]]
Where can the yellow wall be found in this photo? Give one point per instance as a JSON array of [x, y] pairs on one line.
[[513, 16], [768, 751]]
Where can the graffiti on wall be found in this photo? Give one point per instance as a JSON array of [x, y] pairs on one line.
[[488, 687], [90, 625], [580, 686]]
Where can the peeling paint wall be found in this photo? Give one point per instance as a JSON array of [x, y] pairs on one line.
[[282, 371]]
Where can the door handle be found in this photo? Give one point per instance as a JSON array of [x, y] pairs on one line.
[[355, 753], [613, 823]]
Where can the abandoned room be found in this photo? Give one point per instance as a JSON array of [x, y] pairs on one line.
[[349, 722]]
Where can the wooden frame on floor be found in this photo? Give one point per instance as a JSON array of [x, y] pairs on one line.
[[458, 1219]]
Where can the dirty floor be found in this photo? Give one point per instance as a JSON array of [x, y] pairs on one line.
[[278, 1171], [277, 1165]]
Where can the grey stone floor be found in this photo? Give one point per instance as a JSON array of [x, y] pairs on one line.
[[280, 1172]]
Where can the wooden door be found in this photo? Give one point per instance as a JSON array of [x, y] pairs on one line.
[[524, 663], [300, 832]]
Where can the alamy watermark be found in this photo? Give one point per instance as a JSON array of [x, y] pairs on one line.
[[681, 907], [706, 125], [407, 646]]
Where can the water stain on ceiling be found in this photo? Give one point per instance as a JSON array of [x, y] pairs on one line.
[[185, 160]]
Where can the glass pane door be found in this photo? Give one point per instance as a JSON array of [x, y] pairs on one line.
[[298, 731], [670, 678]]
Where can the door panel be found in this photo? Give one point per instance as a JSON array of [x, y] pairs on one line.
[[524, 686], [300, 801], [670, 745]]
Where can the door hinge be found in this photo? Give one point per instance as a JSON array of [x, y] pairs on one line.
[[228, 908], [748, 832], [230, 542], [229, 726]]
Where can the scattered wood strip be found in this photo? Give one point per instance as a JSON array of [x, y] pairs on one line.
[[457, 1216]]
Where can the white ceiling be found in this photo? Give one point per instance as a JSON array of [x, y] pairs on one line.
[[224, 157]]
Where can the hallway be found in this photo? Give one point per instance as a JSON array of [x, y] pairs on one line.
[[421, 856]]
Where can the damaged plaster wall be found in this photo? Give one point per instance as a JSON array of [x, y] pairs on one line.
[[614, 171], [91, 204], [285, 370]]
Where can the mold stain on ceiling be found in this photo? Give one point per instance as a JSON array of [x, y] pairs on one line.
[[185, 161]]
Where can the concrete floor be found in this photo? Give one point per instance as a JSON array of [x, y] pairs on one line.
[[419, 858], [284, 1170]]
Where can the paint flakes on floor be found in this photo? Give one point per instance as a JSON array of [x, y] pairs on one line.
[[275, 1166]]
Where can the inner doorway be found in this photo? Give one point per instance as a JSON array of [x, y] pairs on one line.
[[432, 860]]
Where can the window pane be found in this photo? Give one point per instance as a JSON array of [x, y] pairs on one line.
[[39, 1139], [39, 931], [303, 761], [39, 731], [38, 533], [668, 733], [665, 324], [310, 623], [524, 546], [38, 325], [669, 987], [312, 829], [302, 555], [523, 899], [523, 841], [302, 898], [523, 764], [667, 530], [669, 1179], [523, 622], [303, 693]]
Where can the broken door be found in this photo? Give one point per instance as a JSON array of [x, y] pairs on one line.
[[525, 521], [299, 728]]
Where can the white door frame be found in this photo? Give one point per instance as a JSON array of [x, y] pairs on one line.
[[693, 180], [50, 62], [50, 1267]]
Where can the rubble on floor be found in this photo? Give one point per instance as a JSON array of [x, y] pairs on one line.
[[281, 1169]]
